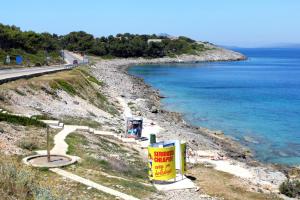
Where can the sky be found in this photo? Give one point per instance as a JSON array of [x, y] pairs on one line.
[[244, 23]]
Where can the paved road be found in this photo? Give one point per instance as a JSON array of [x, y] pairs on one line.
[[70, 57], [13, 74]]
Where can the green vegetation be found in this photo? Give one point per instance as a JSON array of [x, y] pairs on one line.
[[32, 46], [35, 47], [131, 45], [35, 139], [81, 83], [23, 183], [19, 182], [64, 85], [109, 163], [28, 144], [81, 122], [20, 120], [43, 117], [290, 188], [94, 80]]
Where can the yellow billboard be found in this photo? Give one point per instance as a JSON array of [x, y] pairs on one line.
[[161, 163]]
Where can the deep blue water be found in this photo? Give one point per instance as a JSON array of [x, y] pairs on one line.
[[258, 98]]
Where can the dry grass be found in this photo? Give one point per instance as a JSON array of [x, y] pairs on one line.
[[35, 139], [224, 185], [19, 182], [23, 183], [76, 82], [67, 189], [16, 139], [101, 156]]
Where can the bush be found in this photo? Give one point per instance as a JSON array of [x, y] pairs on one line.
[[67, 87], [24, 121], [28, 144], [19, 182], [290, 188]]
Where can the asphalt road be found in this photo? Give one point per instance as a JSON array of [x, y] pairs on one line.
[[13, 74]]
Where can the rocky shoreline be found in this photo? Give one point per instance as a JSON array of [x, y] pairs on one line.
[[119, 82], [146, 101]]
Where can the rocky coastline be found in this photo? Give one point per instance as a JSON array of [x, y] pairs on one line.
[[146, 101], [110, 77], [120, 82]]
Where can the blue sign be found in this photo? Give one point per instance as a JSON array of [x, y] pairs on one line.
[[19, 60]]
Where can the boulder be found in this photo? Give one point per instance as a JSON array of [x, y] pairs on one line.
[[154, 109]]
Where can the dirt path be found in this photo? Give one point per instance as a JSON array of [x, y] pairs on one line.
[[61, 148]]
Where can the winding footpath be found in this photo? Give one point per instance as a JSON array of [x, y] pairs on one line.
[[61, 148]]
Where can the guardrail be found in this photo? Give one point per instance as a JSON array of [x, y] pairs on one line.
[[34, 74]]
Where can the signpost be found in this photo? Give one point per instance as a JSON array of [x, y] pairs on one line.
[[134, 127], [19, 60], [7, 60]]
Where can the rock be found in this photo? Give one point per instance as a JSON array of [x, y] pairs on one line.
[[250, 140], [76, 102], [119, 186], [1, 130], [161, 96], [218, 133], [260, 190], [154, 109]]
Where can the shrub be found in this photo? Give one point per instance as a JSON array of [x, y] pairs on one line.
[[28, 144], [20, 120], [19, 182], [290, 188], [67, 87]]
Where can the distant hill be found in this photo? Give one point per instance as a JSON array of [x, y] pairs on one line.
[[32, 45]]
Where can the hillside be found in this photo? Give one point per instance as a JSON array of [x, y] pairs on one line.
[[35, 48]]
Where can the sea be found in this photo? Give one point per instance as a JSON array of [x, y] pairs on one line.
[[255, 102]]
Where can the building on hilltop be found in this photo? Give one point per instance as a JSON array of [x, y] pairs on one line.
[[154, 40]]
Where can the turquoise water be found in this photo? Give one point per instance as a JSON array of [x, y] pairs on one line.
[[258, 98]]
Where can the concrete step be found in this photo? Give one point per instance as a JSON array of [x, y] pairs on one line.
[[61, 124], [51, 122], [55, 127], [91, 130]]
